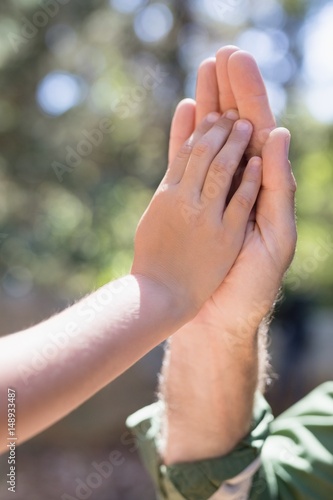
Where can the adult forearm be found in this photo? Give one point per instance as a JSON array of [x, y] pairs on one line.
[[57, 365], [209, 380]]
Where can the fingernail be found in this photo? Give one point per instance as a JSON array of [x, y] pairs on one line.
[[243, 126], [287, 142], [212, 117], [231, 114]]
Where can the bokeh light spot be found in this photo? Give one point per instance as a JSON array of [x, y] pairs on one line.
[[319, 100], [277, 97], [153, 23], [233, 12], [318, 42], [58, 92], [17, 282], [267, 47], [268, 14], [317, 67]]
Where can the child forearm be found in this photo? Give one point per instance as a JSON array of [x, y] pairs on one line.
[[57, 365]]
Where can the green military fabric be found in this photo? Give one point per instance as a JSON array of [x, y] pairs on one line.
[[145, 424], [196, 480], [297, 458], [296, 450]]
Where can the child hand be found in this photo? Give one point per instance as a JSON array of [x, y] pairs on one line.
[[189, 237]]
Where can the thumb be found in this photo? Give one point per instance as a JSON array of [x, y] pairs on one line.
[[277, 172], [276, 203]]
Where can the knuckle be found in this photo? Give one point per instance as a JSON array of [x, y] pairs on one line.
[[244, 200], [224, 124], [185, 150], [221, 167], [162, 196], [190, 205], [213, 188], [201, 148], [218, 164], [221, 171]]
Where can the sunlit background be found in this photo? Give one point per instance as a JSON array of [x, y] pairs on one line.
[[88, 90]]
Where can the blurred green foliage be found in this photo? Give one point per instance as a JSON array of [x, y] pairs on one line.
[[68, 209]]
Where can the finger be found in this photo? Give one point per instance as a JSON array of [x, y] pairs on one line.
[[277, 172], [177, 167], [251, 97], [207, 93], [182, 126], [226, 96], [205, 150], [223, 167], [236, 215], [276, 200], [202, 129]]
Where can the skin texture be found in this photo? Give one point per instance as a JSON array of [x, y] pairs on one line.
[[195, 189], [57, 365], [211, 371]]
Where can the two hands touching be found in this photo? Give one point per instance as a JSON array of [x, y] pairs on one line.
[[191, 209], [217, 361], [189, 237], [233, 81], [212, 246]]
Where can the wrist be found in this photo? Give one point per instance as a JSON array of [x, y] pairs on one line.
[[176, 305], [233, 329], [236, 317]]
